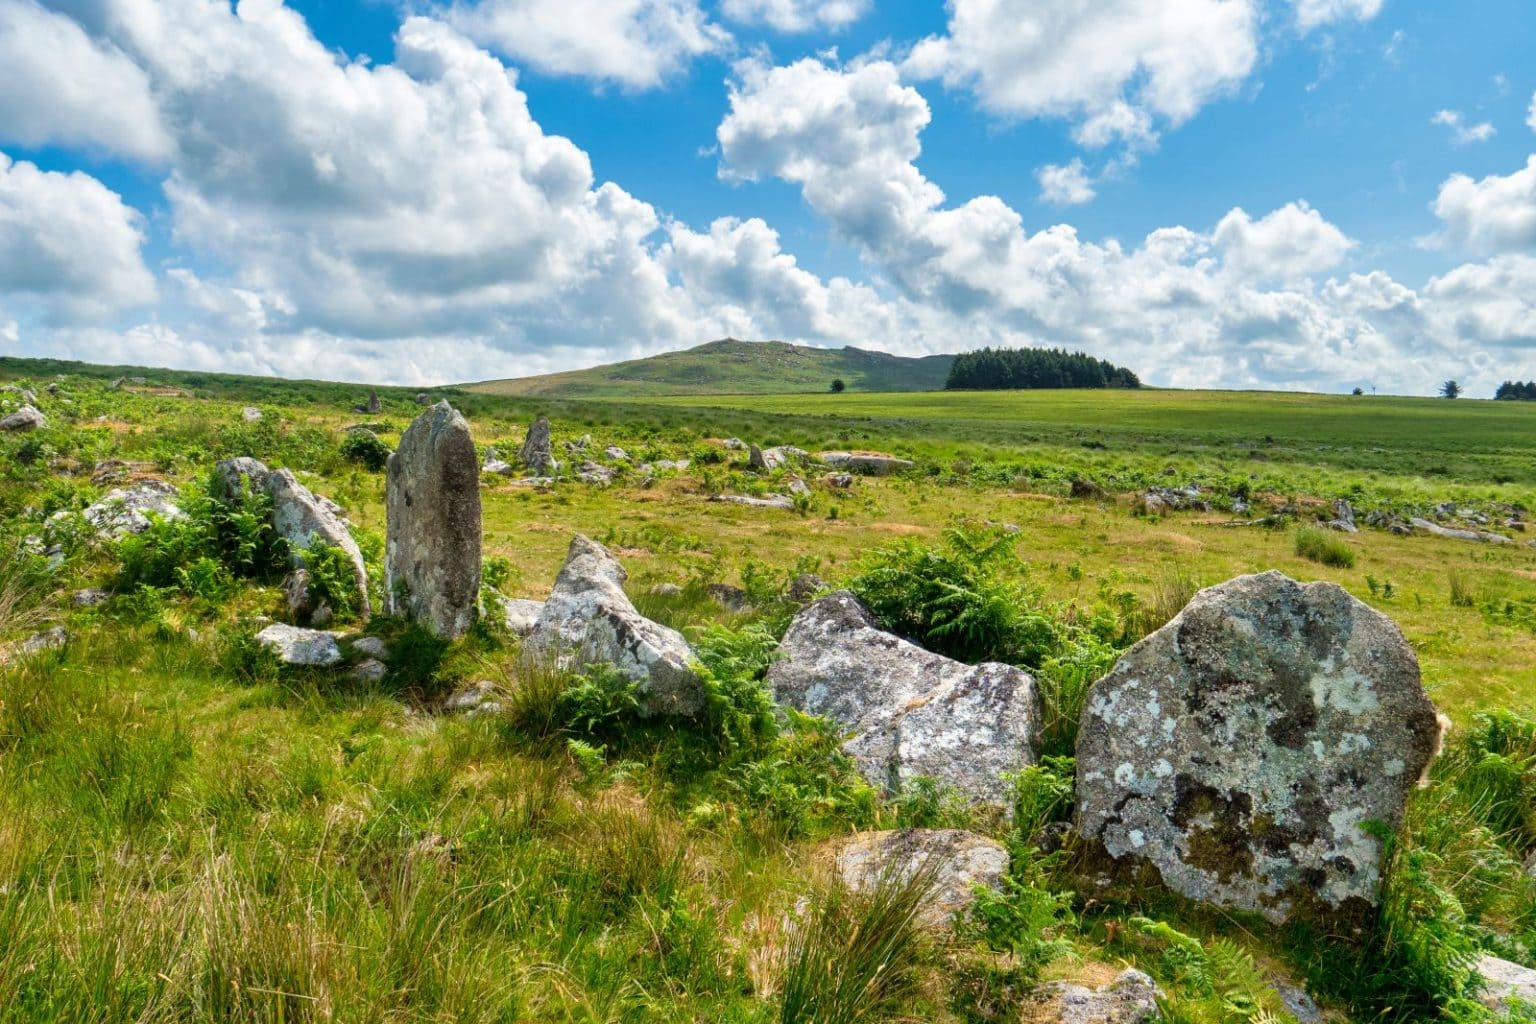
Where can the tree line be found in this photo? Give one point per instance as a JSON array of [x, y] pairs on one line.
[[994, 369], [1517, 391]]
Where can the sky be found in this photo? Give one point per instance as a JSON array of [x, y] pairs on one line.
[[1293, 194]]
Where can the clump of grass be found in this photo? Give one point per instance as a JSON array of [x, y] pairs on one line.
[[1460, 588], [856, 954], [1172, 589], [1317, 545]]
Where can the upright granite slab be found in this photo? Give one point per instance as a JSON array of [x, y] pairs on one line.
[[432, 504], [1243, 748]]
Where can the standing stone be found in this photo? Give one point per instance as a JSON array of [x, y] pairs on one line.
[[536, 452], [1243, 748], [432, 505], [374, 405]]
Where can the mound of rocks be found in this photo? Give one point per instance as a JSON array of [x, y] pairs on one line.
[[588, 619], [958, 861], [911, 712], [1243, 748]]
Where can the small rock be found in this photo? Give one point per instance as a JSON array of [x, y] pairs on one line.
[[734, 444], [805, 587], [294, 645], [471, 698], [495, 465], [1130, 999], [764, 461], [839, 481], [667, 590], [798, 488], [25, 419], [869, 463], [127, 510], [779, 501], [422, 398], [48, 640], [537, 453], [371, 647], [369, 671], [594, 473], [1087, 490], [251, 414], [960, 861], [91, 597], [616, 453], [732, 599], [1343, 517]]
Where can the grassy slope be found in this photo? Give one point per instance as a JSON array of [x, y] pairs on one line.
[[746, 367]]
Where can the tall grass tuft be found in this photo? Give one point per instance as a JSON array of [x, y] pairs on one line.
[[1318, 545]]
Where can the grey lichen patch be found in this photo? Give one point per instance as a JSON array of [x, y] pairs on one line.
[[1243, 749]]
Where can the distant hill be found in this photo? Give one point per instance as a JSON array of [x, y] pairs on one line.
[[731, 367]]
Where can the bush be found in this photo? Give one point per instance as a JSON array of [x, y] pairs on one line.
[[1319, 545], [364, 448], [332, 577]]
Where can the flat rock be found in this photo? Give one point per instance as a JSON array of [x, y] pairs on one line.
[[295, 645], [90, 597], [127, 510], [1453, 533], [369, 670], [779, 501], [959, 860], [1130, 999], [432, 507], [1506, 985], [616, 453], [588, 619], [594, 473], [520, 614], [1242, 749], [911, 712], [868, 463], [372, 647], [25, 419]]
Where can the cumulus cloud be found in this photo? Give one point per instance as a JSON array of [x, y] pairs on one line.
[[1311, 14], [792, 16], [637, 44], [1496, 213], [1287, 244], [1462, 132], [1530, 117], [61, 87], [1109, 67], [1065, 184], [69, 243]]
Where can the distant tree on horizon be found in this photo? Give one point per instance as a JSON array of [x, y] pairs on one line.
[[1516, 391], [1450, 389], [838, 386], [1358, 390], [1006, 369]]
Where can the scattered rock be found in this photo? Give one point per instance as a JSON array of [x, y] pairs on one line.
[[912, 712], [732, 599], [113, 471], [432, 507], [959, 860], [91, 597], [299, 517], [1242, 748], [1130, 999], [1506, 985], [677, 465], [369, 671], [869, 463], [1087, 490], [1451, 533], [23, 420], [734, 444], [805, 587], [798, 488], [667, 590], [294, 645], [48, 640], [1297, 1002], [473, 699], [520, 614], [779, 501], [494, 464], [839, 481], [422, 398], [764, 461], [588, 619], [616, 453], [1343, 517], [594, 473], [371, 647], [251, 414], [537, 453], [127, 510]]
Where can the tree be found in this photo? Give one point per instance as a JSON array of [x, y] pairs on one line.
[[1358, 391], [1450, 389], [838, 387]]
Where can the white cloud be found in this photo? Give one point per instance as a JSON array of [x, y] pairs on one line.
[[62, 87], [1494, 303], [1494, 214], [1111, 67], [635, 43], [1311, 14], [1530, 118], [1065, 184], [1287, 244], [68, 243], [796, 15], [1463, 133]]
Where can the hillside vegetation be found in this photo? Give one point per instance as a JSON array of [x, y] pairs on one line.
[[191, 833], [729, 366]]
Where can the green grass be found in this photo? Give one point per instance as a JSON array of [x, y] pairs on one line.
[[1318, 545]]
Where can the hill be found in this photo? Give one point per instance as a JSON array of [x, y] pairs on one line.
[[729, 366]]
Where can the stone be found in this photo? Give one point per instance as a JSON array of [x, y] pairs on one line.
[[868, 463], [764, 461], [128, 509], [1451, 533], [90, 597], [839, 481], [911, 712], [1130, 999], [520, 614], [1343, 517], [25, 419], [959, 860], [295, 645], [497, 466], [374, 405], [1506, 985], [240, 476], [667, 590], [48, 640], [251, 414], [536, 453], [1088, 490], [734, 444], [422, 398], [299, 517], [1297, 1002], [732, 599], [798, 488], [473, 699], [297, 597], [594, 473], [432, 508], [1242, 749], [616, 453], [805, 587], [588, 619], [779, 501], [672, 464], [370, 670], [370, 647]]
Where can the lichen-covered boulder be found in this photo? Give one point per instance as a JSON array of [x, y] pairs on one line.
[[296, 646], [911, 712], [127, 510], [432, 508], [300, 517], [1243, 748], [240, 476], [588, 619], [764, 460], [958, 861], [23, 420], [1131, 998]]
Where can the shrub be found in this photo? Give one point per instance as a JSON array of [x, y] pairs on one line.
[[1319, 545], [364, 448], [332, 578]]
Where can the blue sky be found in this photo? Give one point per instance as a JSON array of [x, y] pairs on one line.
[[1247, 193]]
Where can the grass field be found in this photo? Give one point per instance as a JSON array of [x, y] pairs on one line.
[[187, 834]]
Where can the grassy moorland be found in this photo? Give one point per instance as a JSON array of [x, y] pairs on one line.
[[189, 834]]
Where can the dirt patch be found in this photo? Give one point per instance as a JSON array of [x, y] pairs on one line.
[[902, 529]]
